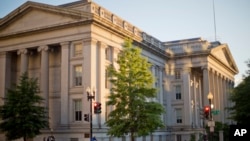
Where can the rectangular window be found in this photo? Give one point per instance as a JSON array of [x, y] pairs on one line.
[[108, 53], [107, 83], [77, 49], [178, 137], [78, 110], [177, 74], [178, 116], [78, 75], [73, 139], [178, 92], [107, 111]]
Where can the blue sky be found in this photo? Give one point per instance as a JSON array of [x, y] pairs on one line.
[[179, 19]]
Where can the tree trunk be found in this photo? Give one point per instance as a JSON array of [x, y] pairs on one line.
[[132, 138]]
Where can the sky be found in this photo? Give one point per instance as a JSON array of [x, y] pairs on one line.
[[169, 20]]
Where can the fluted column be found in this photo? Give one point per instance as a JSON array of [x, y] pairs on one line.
[[5, 74], [101, 75], [90, 72], [206, 85], [65, 83], [24, 60], [187, 96], [222, 107], [161, 75], [44, 73]]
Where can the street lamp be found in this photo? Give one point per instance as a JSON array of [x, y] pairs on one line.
[[210, 97], [90, 96], [211, 122]]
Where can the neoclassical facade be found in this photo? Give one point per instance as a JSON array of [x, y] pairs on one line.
[[68, 47]]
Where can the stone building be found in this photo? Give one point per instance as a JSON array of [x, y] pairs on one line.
[[68, 47]]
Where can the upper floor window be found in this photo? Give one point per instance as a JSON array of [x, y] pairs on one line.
[[77, 49], [178, 92], [78, 75], [77, 109], [177, 74], [108, 53]]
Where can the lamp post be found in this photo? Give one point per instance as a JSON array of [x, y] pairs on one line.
[[90, 96], [210, 97], [211, 122]]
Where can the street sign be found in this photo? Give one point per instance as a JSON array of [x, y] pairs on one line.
[[215, 112]]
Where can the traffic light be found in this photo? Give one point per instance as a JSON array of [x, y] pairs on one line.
[[97, 108], [86, 117], [206, 112]]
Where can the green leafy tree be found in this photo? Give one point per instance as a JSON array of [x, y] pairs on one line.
[[240, 97], [132, 95], [22, 116]]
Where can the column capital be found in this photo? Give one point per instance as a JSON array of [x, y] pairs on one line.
[[43, 48], [102, 45], [116, 50], [205, 67], [22, 51], [187, 70], [90, 41], [65, 44], [4, 53]]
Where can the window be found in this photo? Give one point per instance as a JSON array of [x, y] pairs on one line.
[[78, 110], [178, 92], [178, 137], [177, 74], [73, 139], [107, 83], [77, 50], [178, 116], [157, 72], [107, 111], [78, 75], [108, 53]]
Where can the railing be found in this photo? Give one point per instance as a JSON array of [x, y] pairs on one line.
[[98, 10]]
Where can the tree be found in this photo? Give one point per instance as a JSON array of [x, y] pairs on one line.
[[22, 116], [132, 95], [240, 97]]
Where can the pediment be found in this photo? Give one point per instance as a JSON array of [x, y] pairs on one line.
[[37, 16], [223, 54]]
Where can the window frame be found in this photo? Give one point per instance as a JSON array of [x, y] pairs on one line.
[[179, 116], [178, 95], [177, 74], [77, 53], [77, 110], [77, 79]]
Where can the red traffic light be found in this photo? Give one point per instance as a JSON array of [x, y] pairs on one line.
[[97, 107], [206, 111]]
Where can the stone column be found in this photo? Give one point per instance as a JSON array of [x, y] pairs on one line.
[[101, 75], [161, 70], [206, 85], [44, 74], [5, 74], [195, 98], [65, 83], [24, 60], [90, 72], [187, 96], [89, 63], [220, 98]]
